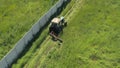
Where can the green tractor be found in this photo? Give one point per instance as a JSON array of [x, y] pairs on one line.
[[56, 26]]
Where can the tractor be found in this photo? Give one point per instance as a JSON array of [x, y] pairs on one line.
[[56, 26]]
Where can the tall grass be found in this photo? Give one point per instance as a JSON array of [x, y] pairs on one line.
[[31, 56], [91, 39], [17, 17]]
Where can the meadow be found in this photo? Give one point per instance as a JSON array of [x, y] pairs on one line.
[[91, 39], [17, 17]]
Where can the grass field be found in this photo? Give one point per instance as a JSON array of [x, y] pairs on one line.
[[17, 17], [91, 39]]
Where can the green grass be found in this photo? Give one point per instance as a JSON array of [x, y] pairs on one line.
[[30, 53], [17, 17], [37, 45], [91, 39]]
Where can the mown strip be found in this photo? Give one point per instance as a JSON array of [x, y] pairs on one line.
[[91, 39], [36, 48]]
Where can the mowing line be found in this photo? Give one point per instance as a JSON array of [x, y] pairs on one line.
[[47, 41], [70, 12], [38, 53], [74, 7]]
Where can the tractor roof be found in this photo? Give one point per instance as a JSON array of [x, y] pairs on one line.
[[55, 20]]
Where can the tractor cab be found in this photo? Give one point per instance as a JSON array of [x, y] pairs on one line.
[[56, 22], [56, 26]]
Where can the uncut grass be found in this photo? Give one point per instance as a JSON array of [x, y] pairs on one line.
[[38, 50], [91, 39], [16, 18]]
